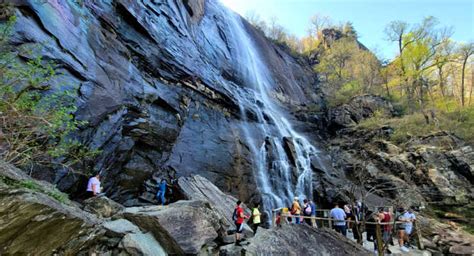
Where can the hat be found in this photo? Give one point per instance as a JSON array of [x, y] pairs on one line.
[[296, 198]]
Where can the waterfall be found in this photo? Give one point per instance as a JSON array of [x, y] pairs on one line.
[[280, 176]]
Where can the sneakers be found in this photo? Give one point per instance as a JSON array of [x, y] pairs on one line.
[[404, 249]]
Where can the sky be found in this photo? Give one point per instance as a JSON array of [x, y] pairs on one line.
[[369, 17]]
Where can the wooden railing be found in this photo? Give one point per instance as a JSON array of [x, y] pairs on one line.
[[378, 226]]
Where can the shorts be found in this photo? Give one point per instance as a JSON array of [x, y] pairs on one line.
[[239, 227], [408, 230]]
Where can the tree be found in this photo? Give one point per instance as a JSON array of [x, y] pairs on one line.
[[465, 51], [417, 46], [349, 30], [319, 22]]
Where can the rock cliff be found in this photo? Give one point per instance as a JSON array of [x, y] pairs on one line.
[[158, 83]]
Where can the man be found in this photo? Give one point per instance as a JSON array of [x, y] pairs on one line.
[[410, 217], [313, 213], [93, 186], [239, 218], [339, 217], [160, 195], [401, 229], [296, 210]]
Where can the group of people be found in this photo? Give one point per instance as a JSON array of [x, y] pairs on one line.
[[402, 218], [239, 217]]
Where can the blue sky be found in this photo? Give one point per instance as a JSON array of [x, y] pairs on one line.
[[368, 16]]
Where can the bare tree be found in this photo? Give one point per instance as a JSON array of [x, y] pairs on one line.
[[318, 23], [465, 51]]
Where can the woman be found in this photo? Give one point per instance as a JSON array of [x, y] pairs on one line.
[[296, 210], [256, 218]]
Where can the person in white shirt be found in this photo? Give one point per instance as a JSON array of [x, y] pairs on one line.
[[93, 186]]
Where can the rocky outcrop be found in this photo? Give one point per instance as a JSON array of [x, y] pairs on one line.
[[301, 240], [184, 227], [358, 108], [33, 220]]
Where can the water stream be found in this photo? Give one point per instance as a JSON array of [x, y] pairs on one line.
[[281, 174]]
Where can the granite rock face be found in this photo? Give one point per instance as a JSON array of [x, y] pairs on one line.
[[158, 83]]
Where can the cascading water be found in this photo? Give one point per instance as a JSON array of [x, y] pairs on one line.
[[279, 178]]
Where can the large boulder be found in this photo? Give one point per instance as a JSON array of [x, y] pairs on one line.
[[102, 206], [301, 240], [142, 244], [37, 218], [199, 188], [184, 227]]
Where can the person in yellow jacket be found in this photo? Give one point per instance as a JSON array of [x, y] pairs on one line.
[[256, 218], [296, 210]]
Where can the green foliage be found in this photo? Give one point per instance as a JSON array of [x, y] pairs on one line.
[[460, 122], [36, 187], [37, 121]]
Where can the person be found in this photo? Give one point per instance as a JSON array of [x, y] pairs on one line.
[[401, 229], [93, 186], [307, 211], [313, 213], [384, 216], [239, 218], [339, 216], [410, 217], [296, 210], [160, 195], [348, 211], [255, 218]]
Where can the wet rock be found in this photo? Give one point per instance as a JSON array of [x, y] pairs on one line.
[[133, 63], [301, 240], [102, 206], [141, 244], [184, 227]]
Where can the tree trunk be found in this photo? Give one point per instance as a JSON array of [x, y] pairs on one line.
[[462, 81]]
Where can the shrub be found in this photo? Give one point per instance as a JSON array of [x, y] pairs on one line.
[[37, 121]]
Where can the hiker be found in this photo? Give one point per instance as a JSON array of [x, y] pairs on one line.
[[401, 229], [296, 210], [384, 216], [410, 217], [313, 213], [255, 218], [387, 229], [348, 211], [339, 217], [307, 211], [238, 217], [93, 186], [160, 195]]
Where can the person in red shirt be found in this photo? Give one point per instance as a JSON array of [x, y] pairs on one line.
[[239, 218]]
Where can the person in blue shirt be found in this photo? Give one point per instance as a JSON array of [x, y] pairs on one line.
[[160, 195], [339, 217]]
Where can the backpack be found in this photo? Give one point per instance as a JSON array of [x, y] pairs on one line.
[[234, 215], [307, 210]]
